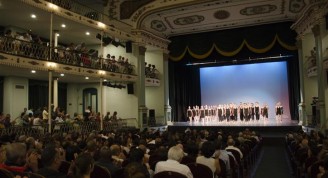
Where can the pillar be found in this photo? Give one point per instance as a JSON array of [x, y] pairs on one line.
[[102, 104], [301, 106], [143, 120], [49, 100], [55, 90], [321, 112], [167, 107]]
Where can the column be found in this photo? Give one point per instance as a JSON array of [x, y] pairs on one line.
[[143, 120], [167, 107], [102, 103], [55, 99], [321, 112], [56, 40], [49, 100], [301, 106]]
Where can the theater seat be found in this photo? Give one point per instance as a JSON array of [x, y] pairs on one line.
[[169, 174], [5, 174], [99, 171], [200, 170]]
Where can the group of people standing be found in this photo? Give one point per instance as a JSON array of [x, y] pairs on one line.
[[243, 112]]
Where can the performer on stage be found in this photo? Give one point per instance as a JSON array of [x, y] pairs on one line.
[[220, 113], [241, 112], [194, 114], [206, 110], [279, 112], [246, 112], [265, 112], [202, 113], [257, 111], [189, 114], [197, 117], [227, 113], [235, 111], [252, 111]]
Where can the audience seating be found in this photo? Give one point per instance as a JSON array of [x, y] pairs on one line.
[[223, 173], [169, 174], [64, 167], [99, 171], [200, 170], [5, 174]]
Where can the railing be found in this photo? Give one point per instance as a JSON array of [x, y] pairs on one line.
[[80, 127], [83, 10], [61, 55]]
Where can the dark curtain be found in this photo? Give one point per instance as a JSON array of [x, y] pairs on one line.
[[186, 87], [1, 93], [38, 94], [294, 86]]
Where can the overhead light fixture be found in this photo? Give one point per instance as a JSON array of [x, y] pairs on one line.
[[87, 33], [53, 6], [33, 71], [33, 16], [87, 78], [62, 75], [63, 25], [105, 80], [57, 34], [101, 25]]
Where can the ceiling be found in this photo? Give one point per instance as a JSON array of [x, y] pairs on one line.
[[164, 18]]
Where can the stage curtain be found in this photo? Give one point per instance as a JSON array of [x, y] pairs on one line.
[[294, 87], [259, 39], [187, 90]]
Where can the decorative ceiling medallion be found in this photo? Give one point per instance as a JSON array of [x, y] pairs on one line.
[[158, 25], [33, 63], [296, 6], [221, 14], [255, 10], [189, 20]]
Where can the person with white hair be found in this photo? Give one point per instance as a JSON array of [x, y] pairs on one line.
[[175, 156]]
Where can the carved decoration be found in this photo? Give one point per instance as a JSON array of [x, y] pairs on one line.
[[158, 25], [33, 63], [127, 8], [222, 14], [189, 20], [256, 10], [2, 57], [296, 6]]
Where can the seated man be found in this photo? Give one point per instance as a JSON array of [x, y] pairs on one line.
[[106, 160], [175, 156], [17, 161], [51, 159]]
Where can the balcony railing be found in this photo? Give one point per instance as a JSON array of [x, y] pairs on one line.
[[42, 51]]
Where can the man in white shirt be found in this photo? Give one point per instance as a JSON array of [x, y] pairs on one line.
[[175, 155], [45, 114], [231, 146]]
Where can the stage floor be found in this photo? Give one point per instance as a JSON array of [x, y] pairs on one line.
[[269, 127]]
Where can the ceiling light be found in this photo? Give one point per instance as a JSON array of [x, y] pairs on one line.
[[33, 71], [101, 25], [63, 25], [87, 78], [57, 34], [33, 16], [87, 33], [105, 80], [62, 75], [53, 6]]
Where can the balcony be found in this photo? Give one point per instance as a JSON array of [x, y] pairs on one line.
[[36, 56]]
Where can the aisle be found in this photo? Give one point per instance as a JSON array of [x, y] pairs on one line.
[[274, 163]]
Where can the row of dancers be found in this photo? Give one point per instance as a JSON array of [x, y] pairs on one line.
[[231, 112]]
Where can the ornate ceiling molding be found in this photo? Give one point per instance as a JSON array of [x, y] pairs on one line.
[[145, 38], [312, 15]]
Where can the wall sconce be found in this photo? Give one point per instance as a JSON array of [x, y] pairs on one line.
[[53, 6], [101, 25], [51, 65], [101, 72]]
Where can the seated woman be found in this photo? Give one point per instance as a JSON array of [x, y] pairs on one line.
[[207, 151]]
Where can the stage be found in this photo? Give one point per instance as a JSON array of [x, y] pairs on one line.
[[271, 126]]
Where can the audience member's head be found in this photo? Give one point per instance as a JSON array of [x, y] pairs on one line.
[[50, 157], [134, 170], [136, 155], [208, 149], [105, 153], [83, 165], [175, 153], [16, 154], [230, 142]]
